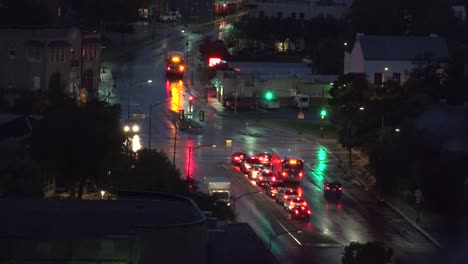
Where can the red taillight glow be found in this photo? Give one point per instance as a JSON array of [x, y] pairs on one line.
[[261, 178], [285, 197], [181, 68], [284, 173], [300, 174], [273, 179], [340, 189], [236, 158], [296, 211], [168, 68], [308, 211], [328, 187], [304, 203]]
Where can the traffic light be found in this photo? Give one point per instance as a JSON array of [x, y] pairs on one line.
[[201, 116], [190, 99], [323, 113], [181, 115], [269, 95]]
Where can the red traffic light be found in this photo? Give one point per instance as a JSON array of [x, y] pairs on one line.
[[190, 98]]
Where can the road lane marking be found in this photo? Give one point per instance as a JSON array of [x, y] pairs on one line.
[[288, 232]]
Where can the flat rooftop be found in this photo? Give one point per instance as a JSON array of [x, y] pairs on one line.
[[91, 218]]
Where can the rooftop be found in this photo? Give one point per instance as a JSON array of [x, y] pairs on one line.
[[123, 217]]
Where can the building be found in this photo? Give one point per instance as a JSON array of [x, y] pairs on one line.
[[137, 228], [250, 79], [296, 9], [384, 58], [39, 59]]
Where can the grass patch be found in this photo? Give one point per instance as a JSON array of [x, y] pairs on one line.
[[329, 130]]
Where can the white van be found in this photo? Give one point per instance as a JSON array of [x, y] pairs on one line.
[[300, 101]]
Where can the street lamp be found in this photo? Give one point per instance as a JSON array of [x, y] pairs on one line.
[[150, 112], [129, 94], [190, 157], [279, 234], [237, 198]]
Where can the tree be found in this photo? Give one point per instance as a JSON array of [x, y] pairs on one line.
[[152, 171], [78, 142], [369, 253], [21, 178], [349, 93]]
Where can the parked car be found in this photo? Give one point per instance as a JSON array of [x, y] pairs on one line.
[[243, 103], [271, 104], [300, 101], [170, 16]]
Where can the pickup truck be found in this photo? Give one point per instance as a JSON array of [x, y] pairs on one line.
[[170, 16]]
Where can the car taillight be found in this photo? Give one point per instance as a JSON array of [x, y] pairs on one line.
[[308, 211], [285, 197], [340, 189], [261, 178], [236, 158], [181, 68], [168, 68], [328, 187], [304, 203], [284, 173], [300, 174], [273, 179], [296, 211], [274, 191]]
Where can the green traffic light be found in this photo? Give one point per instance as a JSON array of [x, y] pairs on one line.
[[323, 112], [269, 95]]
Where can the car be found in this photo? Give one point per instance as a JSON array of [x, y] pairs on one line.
[[271, 104], [170, 16], [241, 103], [265, 176], [286, 194], [255, 171], [264, 157], [332, 190], [272, 188], [236, 158], [298, 201], [299, 212], [248, 163]]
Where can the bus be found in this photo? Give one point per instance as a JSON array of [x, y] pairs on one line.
[[287, 165]]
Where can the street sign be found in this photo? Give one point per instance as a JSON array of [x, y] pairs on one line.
[[300, 115], [293, 92]]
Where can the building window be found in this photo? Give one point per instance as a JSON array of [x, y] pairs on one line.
[[56, 54], [36, 82], [397, 77], [12, 54], [261, 14], [301, 15], [280, 14], [293, 15], [378, 78], [34, 54]]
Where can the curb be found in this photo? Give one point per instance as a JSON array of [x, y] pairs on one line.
[[420, 229]]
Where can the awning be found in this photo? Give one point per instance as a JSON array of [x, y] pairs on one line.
[[58, 43], [34, 43]]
